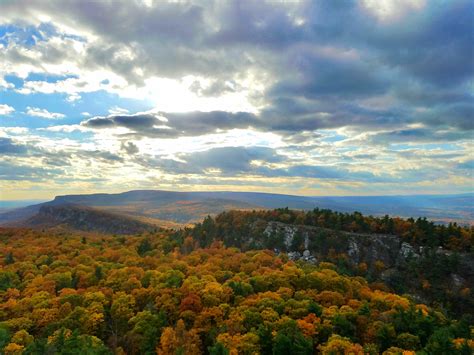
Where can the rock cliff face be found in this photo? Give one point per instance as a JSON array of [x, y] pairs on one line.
[[386, 258], [86, 219], [319, 242]]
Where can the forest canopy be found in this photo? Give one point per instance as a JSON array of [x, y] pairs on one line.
[[71, 293]]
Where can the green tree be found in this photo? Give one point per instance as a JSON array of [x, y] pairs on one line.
[[4, 337], [8, 279], [441, 343], [144, 247], [9, 259], [290, 340], [146, 331], [218, 349]]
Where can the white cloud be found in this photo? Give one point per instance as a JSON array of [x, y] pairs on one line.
[[5, 109], [73, 97], [118, 110], [85, 114], [43, 113], [7, 131], [66, 128], [4, 84]]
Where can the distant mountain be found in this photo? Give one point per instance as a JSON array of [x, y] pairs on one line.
[[85, 219], [189, 207]]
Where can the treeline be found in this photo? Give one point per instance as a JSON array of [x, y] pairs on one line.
[[93, 294], [418, 232]]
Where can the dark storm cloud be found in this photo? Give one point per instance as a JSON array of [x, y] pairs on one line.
[[459, 115], [172, 125], [319, 77], [288, 117], [436, 46]]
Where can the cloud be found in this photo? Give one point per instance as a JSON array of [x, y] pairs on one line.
[[15, 171], [66, 128], [350, 92], [231, 160], [43, 113], [6, 109], [253, 163], [118, 110], [8, 147], [418, 135], [129, 147], [321, 75], [172, 125]]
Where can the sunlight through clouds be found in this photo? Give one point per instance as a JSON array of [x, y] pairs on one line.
[[238, 96]]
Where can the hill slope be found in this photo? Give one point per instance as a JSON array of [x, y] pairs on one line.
[[85, 219]]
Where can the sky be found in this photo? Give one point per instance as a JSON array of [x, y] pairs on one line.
[[370, 97]]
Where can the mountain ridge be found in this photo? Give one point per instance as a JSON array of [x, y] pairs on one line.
[[87, 219], [188, 207]]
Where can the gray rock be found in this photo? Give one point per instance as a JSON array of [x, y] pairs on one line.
[[353, 251], [294, 255], [407, 251], [457, 280]]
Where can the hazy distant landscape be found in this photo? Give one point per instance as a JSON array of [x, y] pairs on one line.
[[167, 208]]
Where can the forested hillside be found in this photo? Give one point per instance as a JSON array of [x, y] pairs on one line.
[[187, 293], [434, 263]]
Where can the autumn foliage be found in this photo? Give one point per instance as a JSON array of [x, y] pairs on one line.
[[93, 294]]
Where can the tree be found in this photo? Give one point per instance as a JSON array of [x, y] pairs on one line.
[[408, 341], [144, 247], [8, 279], [440, 343], [4, 337], [385, 336], [121, 310], [22, 337], [343, 326], [98, 273], [9, 259], [297, 244], [218, 349], [290, 340], [146, 331], [340, 345]]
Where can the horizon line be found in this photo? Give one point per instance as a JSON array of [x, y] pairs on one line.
[[255, 192]]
